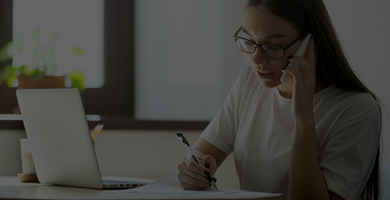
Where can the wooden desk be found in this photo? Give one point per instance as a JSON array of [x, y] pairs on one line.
[[12, 188]]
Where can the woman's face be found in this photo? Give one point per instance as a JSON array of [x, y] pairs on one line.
[[263, 27]]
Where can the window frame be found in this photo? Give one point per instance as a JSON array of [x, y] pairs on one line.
[[116, 97], [114, 102]]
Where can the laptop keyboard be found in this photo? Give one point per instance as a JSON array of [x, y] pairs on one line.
[[121, 184]]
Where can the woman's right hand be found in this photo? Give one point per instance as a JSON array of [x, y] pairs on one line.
[[192, 175]]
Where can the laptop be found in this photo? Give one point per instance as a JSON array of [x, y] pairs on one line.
[[60, 140]]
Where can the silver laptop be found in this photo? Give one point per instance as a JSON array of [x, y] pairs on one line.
[[60, 140]]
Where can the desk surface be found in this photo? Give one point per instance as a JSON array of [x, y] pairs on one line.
[[12, 188]]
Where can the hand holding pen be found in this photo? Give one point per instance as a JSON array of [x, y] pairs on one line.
[[193, 174]]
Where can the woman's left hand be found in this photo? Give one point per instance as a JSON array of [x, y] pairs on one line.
[[304, 82]]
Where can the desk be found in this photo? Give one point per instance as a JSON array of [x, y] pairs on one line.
[[12, 188]]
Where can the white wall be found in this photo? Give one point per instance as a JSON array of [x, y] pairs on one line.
[[185, 57]]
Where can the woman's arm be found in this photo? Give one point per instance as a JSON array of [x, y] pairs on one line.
[[306, 180], [191, 174], [202, 146], [305, 176]]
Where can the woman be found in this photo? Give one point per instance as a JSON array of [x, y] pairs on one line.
[[317, 140]]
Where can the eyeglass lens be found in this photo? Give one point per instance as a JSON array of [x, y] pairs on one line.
[[269, 50]]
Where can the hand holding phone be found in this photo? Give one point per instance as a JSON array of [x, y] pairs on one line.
[[286, 78]]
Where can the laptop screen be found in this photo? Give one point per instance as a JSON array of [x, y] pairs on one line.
[[58, 133]]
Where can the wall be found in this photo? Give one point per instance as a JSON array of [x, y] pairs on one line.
[[185, 56]]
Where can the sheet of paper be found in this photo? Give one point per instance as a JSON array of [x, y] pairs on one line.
[[169, 187]]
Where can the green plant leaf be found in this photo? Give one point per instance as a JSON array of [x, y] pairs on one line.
[[35, 32], [11, 77], [22, 44], [55, 36], [77, 79], [4, 52], [36, 74], [77, 51], [23, 70], [5, 73]]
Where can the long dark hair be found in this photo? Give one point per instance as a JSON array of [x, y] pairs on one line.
[[311, 16]]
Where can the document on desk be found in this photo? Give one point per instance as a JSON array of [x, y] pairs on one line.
[[169, 187]]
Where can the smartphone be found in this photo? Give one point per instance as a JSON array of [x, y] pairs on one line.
[[287, 79]]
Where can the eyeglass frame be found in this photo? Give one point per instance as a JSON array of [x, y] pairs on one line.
[[284, 48]]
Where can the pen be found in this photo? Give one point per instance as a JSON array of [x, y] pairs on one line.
[[186, 145], [95, 132]]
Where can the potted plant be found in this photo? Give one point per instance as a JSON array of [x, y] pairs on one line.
[[40, 61]]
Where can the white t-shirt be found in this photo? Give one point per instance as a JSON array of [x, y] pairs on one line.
[[257, 125]]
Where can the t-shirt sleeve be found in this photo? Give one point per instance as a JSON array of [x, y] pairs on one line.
[[350, 150], [222, 129]]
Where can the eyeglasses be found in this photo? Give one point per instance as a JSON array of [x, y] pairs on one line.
[[271, 51]]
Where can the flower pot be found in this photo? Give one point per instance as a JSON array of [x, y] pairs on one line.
[[45, 82]]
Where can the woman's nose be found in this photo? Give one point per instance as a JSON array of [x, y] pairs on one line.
[[258, 57]]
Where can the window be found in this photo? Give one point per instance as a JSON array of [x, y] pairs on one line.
[[74, 24], [186, 62], [115, 96]]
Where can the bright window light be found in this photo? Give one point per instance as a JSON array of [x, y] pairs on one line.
[[77, 24]]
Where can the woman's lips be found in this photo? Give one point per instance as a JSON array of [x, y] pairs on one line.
[[264, 75]]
